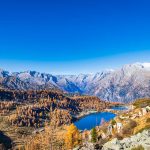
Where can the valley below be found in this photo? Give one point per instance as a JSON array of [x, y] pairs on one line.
[[45, 119], [107, 110], [26, 113]]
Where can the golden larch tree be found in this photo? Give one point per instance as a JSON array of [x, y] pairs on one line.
[[72, 137]]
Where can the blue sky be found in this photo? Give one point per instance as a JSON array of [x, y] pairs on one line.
[[73, 36]]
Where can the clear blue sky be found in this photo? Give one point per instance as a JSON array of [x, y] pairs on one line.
[[73, 36]]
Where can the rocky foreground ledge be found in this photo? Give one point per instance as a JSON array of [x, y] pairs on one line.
[[142, 139]]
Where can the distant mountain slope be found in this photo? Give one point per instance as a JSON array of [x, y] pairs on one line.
[[123, 85]]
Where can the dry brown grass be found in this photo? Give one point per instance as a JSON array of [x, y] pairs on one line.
[[142, 123]]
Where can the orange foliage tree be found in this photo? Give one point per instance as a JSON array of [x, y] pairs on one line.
[[73, 137]]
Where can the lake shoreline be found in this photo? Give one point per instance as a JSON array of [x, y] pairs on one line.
[[87, 114], [92, 120], [84, 114]]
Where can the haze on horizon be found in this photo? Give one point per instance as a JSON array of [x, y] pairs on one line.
[[72, 37]]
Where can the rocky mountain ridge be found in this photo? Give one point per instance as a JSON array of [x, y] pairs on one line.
[[122, 85]]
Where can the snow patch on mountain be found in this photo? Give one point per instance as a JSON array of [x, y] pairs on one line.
[[123, 85]]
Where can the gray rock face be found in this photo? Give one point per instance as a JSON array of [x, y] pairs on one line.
[[129, 143], [122, 85], [87, 146]]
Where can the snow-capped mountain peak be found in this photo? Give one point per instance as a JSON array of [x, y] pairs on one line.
[[140, 65], [124, 85]]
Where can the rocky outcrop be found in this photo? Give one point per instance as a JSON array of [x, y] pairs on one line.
[[142, 139]]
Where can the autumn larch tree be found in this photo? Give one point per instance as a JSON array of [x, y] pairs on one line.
[[72, 138]]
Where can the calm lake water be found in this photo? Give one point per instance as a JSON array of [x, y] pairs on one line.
[[119, 108], [90, 121]]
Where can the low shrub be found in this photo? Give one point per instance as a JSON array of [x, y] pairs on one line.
[[118, 136], [145, 128], [127, 130], [132, 124], [142, 103], [113, 122], [148, 120], [140, 147]]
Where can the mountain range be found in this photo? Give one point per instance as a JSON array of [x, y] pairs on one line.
[[130, 82]]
